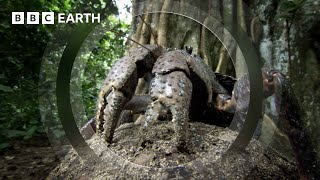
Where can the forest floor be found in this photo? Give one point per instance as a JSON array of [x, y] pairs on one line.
[[30, 159], [204, 156], [36, 159]]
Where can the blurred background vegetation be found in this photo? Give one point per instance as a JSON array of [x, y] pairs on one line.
[[22, 49]]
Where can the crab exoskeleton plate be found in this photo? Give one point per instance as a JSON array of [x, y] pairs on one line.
[[176, 78]]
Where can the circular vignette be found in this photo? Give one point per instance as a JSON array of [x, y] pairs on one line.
[[63, 91], [54, 86], [65, 109]]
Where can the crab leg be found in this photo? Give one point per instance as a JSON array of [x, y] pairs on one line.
[[120, 85], [171, 93], [180, 118], [153, 112], [115, 100], [118, 89], [137, 105], [205, 74]]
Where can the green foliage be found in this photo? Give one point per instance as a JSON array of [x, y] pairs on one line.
[[5, 89], [288, 8], [110, 48], [22, 48]]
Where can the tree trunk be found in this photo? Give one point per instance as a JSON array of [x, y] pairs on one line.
[[177, 31]]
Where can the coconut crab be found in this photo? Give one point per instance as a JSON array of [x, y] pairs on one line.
[[220, 92], [274, 82], [174, 74]]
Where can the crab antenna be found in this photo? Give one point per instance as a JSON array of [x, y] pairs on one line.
[[149, 27], [119, 34]]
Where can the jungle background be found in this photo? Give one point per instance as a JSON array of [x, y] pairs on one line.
[[285, 33]]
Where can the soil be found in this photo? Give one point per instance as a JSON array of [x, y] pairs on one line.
[[31, 159], [159, 158], [155, 158]]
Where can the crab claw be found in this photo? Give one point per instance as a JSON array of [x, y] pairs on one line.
[[119, 87], [137, 105]]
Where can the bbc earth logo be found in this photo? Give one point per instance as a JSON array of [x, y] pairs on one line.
[[52, 18]]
